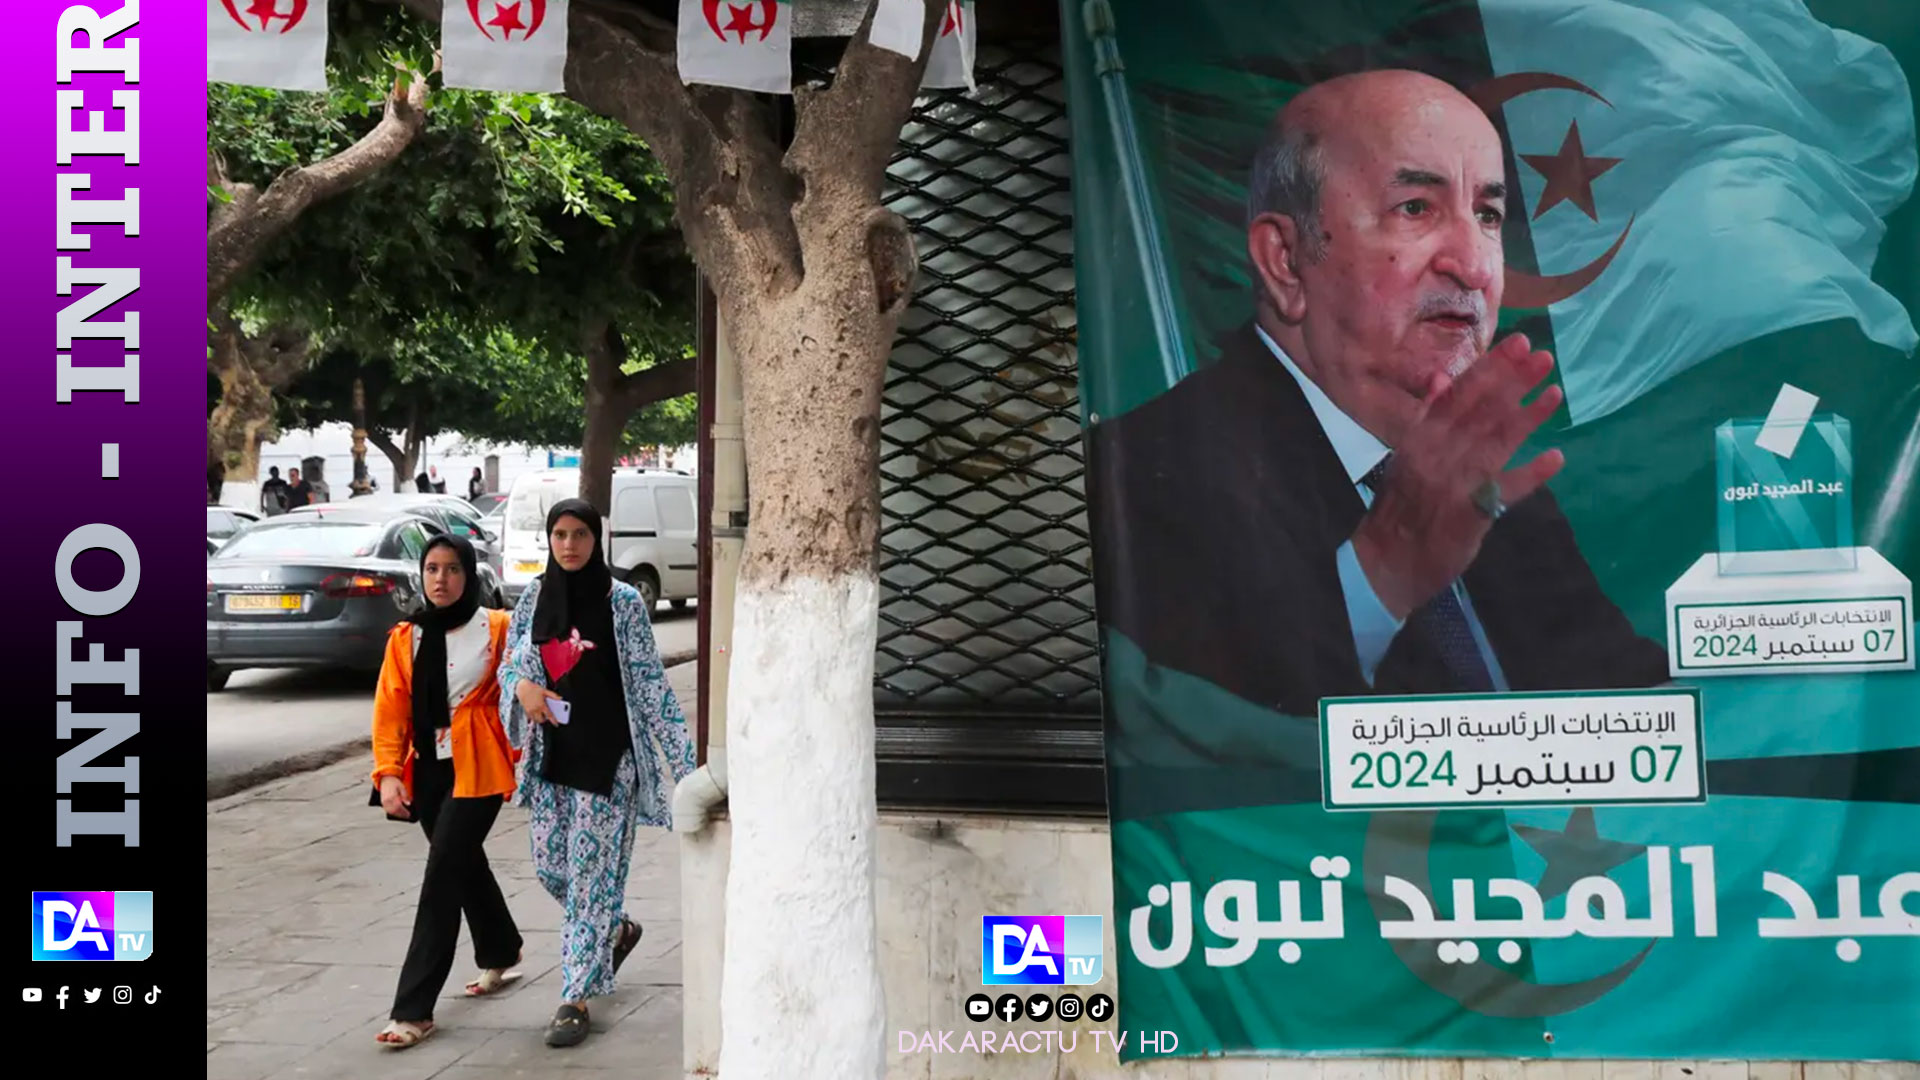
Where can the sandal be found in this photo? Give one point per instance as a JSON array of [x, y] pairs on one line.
[[400, 1034], [493, 980], [568, 1027], [630, 933]]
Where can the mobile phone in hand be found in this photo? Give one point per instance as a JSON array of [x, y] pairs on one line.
[[559, 708]]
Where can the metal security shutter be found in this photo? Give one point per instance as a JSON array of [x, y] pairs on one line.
[[987, 681]]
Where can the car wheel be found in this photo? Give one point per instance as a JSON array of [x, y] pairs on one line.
[[217, 677], [649, 587]]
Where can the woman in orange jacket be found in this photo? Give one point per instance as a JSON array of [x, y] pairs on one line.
[[442, 758]]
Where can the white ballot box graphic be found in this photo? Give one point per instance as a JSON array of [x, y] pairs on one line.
[[1760, 624]]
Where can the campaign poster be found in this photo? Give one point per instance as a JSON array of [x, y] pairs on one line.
[[1503, 424]]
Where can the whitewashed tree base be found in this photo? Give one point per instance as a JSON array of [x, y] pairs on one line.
[[800, 995]]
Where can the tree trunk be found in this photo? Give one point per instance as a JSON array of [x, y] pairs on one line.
[[612, 397], [250, 371], [360, 484], [800, 738], [402, 460], [607, 416]]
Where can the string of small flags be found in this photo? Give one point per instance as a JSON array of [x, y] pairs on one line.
[[521, 45]]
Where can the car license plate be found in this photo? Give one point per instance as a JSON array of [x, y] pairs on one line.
[[529, 567], [265, 602]]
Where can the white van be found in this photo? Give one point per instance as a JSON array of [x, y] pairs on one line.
[[653, 538]]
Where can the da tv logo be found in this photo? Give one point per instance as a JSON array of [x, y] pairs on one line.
[[1039, 950], [92, 925]]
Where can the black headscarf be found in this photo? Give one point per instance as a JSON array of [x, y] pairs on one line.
[[431, 709], [570, 598], [586, 751]]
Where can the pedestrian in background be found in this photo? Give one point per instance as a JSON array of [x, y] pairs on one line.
[[273, 493], [441, 757], [602, 740], [299, 492], [476, 485]]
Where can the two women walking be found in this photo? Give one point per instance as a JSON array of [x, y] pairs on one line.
[[569, 713]]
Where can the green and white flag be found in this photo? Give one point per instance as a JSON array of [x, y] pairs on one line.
[[516, 46], [274, 43], [747, 46]]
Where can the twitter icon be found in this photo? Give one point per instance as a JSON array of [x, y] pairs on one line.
[[91, 995]]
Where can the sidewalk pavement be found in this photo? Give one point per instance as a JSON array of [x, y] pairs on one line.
[[310, 900]]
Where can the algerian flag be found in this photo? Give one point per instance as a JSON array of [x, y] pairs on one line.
[[276, 43], [951, 65], [1741, 157], [520, 45], [747, 46]]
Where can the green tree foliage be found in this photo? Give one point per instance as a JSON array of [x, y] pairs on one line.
[[465, 275]]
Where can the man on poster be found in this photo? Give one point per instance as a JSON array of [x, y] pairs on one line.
[[1329, 510]]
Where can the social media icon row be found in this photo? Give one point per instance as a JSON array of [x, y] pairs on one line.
[[1038, 1008], [122, 995]]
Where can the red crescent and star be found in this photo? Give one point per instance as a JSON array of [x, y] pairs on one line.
[[740, 18], [267, 11], [507, 18], [1569, 173]]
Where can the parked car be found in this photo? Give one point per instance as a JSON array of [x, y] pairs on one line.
[[452, 513], [319, 589], [223, 522], [486, 504], [653, 539]]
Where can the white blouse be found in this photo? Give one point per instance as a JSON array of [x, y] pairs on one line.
[[469, 653]]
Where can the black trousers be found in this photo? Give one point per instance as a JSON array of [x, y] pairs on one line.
[[457, 879]]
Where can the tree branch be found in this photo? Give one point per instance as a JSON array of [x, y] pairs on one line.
[[846, 134], [385, 444], [239, 230], [672, 379]]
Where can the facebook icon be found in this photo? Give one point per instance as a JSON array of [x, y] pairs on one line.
[[1040, 950]]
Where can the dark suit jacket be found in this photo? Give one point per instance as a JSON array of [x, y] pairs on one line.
[[1218, 508]]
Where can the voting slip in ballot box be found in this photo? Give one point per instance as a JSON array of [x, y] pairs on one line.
[[1784, 492], [1788, 590]]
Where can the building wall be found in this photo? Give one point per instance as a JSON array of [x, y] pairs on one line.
[[937, 876], [452, 453]]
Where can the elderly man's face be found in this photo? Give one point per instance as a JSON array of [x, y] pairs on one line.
[[1409, 280]]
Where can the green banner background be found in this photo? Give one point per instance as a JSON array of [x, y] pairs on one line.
[[1809, 776]]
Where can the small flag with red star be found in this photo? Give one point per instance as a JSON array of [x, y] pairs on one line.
[[510, 45], [951, 64], [280, 44], [744, 44]]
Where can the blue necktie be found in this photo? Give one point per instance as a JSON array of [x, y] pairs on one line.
[[1443, 623]]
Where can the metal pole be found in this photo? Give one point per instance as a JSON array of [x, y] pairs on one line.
[[1170, 334]]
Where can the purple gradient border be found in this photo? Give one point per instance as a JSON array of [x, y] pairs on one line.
[[56, 487]]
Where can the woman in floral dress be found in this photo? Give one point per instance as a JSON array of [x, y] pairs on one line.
[[602, 742]]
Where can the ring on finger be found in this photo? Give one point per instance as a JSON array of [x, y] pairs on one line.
[[1486, 499]]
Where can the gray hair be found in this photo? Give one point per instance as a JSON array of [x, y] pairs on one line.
[[1287, 174]]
